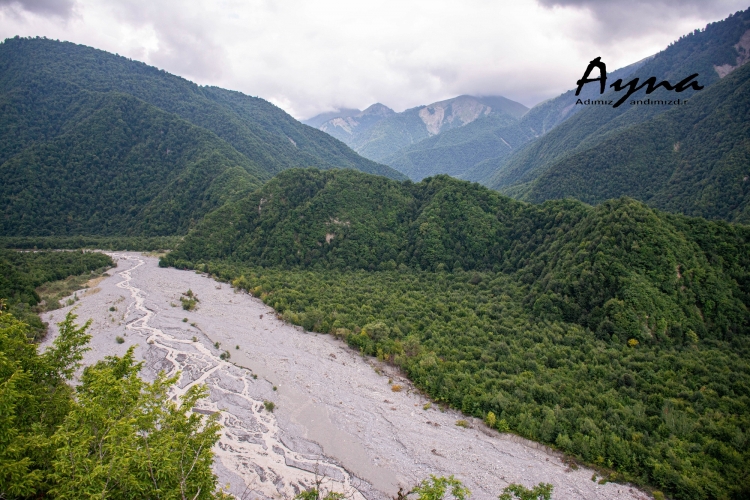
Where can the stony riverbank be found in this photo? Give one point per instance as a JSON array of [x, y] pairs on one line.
[[335, 411]]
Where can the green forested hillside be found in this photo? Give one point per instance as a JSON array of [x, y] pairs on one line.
[[584, 327], [698, 52], [694, 159], [457, 150], [120, 167], [268, 136], [95, 144]]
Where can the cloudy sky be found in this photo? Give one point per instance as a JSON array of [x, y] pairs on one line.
[[310, 56]]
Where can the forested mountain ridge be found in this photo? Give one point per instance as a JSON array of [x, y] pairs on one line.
[[567, 251], [92, 143], [538, 121], [256, 128], [584, 327], [119, 166], [694, 159], [458, 150], [708, 53]]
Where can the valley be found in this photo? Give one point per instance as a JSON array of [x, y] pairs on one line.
[[355, 305], [334, 409]]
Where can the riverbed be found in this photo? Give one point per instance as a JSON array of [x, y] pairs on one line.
[[335, 419]]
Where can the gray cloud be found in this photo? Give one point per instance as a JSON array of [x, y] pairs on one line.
[[618, 20], [308, 57], [56, 8], [185, 43]]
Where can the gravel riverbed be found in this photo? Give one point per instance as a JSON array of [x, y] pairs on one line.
[[335, 414]]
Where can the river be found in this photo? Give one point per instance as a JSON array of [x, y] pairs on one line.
[[335, 420]]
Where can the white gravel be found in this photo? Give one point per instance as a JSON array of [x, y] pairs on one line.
[[335, 411]]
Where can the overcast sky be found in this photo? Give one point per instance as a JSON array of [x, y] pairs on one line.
[[310, 56]]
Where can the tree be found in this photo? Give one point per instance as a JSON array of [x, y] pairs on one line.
[[124, 438], [34, 399]]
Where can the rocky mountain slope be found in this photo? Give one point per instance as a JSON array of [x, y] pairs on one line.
[[379, 132]]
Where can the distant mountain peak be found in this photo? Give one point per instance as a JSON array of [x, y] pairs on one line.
[[378, 109], [463, 108], [318, 120]]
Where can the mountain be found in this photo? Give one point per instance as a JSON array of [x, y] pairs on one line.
[[693, 159], [461, 151], [344, 128], [710, 53], [94, 143], [318, 120], [539, 120], [590, 328], [348, 220], [458, 150], [379, 132], [120, 166]]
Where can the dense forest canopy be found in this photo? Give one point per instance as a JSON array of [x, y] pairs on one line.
[[582, 263], [584, 327], [96, 144], [262, 132]]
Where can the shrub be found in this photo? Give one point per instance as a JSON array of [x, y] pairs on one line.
[[396, 388], [491, 419], [503, 426], [119, 340], [542, 491], [462, 423], [269, 405], [189, 300]]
